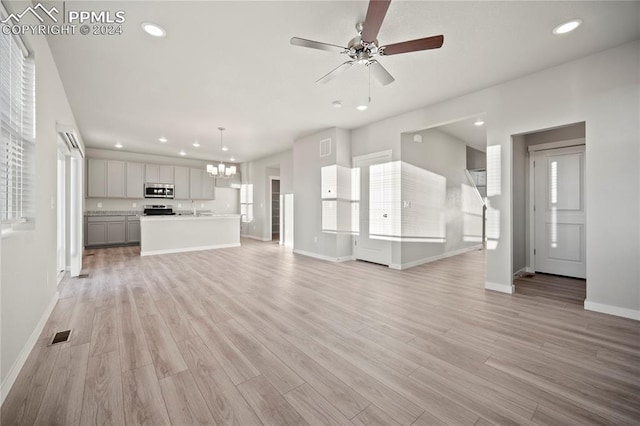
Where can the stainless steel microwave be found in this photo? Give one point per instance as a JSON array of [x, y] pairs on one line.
[[158, 190]]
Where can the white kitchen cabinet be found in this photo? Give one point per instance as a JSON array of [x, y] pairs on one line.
[[208, 186], [97, 178], [165, 174], [96, 233], [195, 184], [181, 182], [156, 173], [111, 230], [201, 185], [135, 180], [115, 179], [116, 232], [133, 229]]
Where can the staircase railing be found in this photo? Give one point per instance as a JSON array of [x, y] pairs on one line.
[[478, 180]]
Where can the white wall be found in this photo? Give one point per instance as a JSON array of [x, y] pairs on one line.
[[227, 199], [602, 90], [257, 173], [308, 235], [28, 258], [446, 156]]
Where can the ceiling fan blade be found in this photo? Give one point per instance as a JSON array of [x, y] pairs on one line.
[[334, 72], [296, 41], [375, 15], [380, 73], [427, 43]]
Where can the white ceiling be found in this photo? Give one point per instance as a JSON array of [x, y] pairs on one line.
[[230, 64], [469, 133]]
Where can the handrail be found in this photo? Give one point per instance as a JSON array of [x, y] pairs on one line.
[[473, 184]]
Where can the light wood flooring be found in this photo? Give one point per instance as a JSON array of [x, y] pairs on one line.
[[554, 287], [257, 335]]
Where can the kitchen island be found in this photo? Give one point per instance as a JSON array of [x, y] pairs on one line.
[[175, 234]]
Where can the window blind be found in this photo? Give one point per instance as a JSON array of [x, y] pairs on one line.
[[17, 131]]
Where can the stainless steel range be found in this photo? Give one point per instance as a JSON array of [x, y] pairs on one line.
[[158, 210]]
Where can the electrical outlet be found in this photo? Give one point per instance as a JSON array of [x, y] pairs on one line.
[[179, 205], [99, 205]]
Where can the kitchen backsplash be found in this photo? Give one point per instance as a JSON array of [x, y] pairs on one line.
[[226, 201]]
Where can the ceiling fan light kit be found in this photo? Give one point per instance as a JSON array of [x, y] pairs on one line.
[[364, 48]]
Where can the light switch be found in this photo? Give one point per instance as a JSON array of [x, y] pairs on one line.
[[99, 205], [179, 205], [134, 205]]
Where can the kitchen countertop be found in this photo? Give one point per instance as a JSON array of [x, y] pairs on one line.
[[113, 213], [190, 217]]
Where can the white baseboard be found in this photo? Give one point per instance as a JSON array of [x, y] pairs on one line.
[[323, 257], [188, 249], [26, 350], [612, 310], [502, 288], [434, 258], [253, 237]]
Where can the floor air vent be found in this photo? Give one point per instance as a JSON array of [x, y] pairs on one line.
[[61, 337], [83, 276]]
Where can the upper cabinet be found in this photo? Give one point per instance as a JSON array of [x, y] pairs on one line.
[[201, 185], [115, 179], [123, 179], [135, 180], [97, 178], [181, 182], [155, 173], [105, 178]]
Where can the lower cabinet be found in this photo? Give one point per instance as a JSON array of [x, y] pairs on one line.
[[133, 230], [111, 230]]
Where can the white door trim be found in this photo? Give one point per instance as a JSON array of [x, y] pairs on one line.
[[557, 144], [271, 179]]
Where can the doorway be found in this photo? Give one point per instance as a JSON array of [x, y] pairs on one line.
[[275, 208], [61, 223], [366, 248], [549, 214]]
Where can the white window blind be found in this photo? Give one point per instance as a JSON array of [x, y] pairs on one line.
[[246, 202], [17, 131]]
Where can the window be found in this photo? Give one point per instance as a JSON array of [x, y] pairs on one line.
[[17, 131], [246, 202]]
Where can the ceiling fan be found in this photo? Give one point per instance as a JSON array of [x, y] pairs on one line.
[[363, 48]]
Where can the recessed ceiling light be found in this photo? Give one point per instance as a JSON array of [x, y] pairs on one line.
[[182, 152], [118, 145], [478, 123], [153, 29], [362, 107], [567, 27], [232, 159], [336, 104], [196, 144], [163, 139], [225, 148]]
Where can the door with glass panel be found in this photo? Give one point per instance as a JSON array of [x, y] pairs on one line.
[[369, 243], [559, 211]]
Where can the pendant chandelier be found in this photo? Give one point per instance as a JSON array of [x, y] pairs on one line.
[[221, 170]]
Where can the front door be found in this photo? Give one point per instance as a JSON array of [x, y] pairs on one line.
[[559, 211]]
